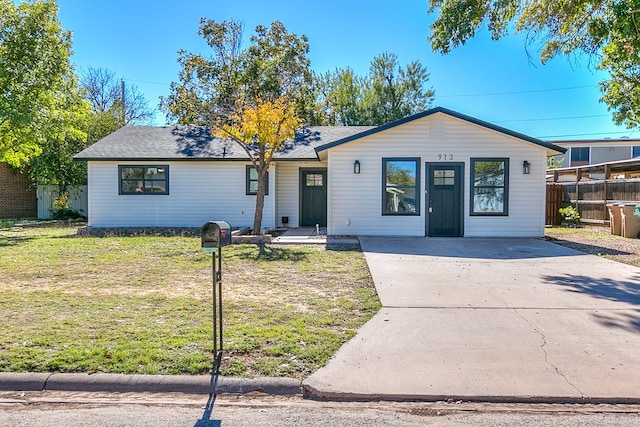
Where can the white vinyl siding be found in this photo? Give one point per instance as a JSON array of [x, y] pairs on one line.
[[288, 190], [355, 199], [200, 191]]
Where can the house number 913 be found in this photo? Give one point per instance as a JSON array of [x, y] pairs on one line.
[[445, 156]]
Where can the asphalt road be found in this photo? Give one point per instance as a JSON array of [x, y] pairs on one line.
[[37, 409]]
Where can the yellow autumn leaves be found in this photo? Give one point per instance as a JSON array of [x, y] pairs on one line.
[[266, 124]]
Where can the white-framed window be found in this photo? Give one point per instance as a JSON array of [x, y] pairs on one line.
[[579, 156]]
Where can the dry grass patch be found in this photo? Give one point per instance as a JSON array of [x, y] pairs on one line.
[[143, 304], [597, 241]]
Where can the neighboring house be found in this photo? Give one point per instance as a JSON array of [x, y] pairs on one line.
[[17, 194], [437, 173], [596, 151]]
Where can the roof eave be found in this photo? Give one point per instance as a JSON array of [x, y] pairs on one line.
[[187, 159]]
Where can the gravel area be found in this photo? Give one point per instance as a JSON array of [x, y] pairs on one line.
[[597, 241]]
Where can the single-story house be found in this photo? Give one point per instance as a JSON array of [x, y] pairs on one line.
[[436, 173]]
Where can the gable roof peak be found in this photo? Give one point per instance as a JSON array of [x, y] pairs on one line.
[[449, 112]]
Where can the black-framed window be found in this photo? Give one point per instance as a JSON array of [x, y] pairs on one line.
[[490, 186], [401, 186], [635, 151], [252, 181], [144, 179]]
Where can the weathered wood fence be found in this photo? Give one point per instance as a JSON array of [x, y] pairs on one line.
[[590, 198], [555, 197]]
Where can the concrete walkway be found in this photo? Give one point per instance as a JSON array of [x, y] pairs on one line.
[[492, 320], [314, 236]]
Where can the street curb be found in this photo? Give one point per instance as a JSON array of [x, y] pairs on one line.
[[29, 381], [201, 384], [121, 383]]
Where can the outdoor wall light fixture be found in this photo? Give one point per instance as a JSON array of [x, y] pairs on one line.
[[356, 166], [526, 167]]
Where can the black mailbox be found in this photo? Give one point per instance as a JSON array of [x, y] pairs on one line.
[[216, 234]]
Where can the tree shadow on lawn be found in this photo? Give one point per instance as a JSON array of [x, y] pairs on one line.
[[14, 240], [625, 291], [270, 253]]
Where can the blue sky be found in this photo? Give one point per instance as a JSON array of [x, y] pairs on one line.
[[493, 81]]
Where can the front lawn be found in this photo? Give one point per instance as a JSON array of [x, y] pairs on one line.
[[142, 305]]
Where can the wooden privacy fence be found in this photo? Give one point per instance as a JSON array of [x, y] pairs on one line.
[[555, 196], [590, 198]]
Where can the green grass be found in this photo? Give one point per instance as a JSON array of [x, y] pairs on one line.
[[143, 305]]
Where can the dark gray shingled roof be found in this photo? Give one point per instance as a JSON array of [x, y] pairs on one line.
[[192, 142]]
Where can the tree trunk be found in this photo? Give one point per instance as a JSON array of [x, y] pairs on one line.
[[262, 187]]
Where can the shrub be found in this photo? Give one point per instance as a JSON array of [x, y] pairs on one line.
[[61, 208], [570, 215]]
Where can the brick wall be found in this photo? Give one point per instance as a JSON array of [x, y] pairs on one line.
[[17, 195]]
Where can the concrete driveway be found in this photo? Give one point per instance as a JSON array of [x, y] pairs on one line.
[[492, 320]]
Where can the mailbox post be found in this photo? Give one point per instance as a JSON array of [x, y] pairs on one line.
[[215, 235]]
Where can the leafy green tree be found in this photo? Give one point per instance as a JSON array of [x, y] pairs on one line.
[[554, 162], [342, 92], [389, 92], [274, 65], [394, 92], [35, 73], [608, 31], [55, 165], [621, 59], [254, 96]]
